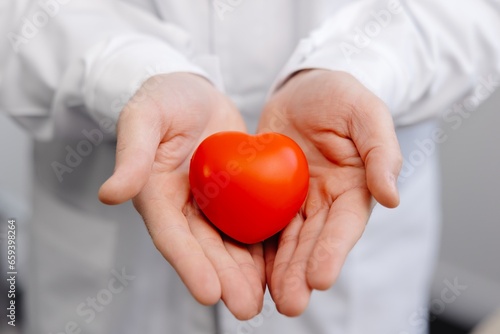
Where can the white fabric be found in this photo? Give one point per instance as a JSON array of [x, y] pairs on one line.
[[69, 66], [383, 287]]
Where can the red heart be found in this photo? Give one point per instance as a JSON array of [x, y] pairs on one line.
[[250, 187]]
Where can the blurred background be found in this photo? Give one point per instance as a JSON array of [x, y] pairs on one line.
[[470, 248], [15, 202], [471, 207]]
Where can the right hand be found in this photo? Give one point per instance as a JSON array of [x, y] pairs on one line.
[[158, 130]]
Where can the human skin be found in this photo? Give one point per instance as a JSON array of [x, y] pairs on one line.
[[157, 132], [348, 137]]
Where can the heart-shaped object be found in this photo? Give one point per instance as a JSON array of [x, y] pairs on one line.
[[249, 187]]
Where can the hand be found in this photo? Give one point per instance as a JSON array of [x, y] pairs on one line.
[[348, 137], [158, 131]]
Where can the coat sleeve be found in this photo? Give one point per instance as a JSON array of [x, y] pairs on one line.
[[418, 56], [65, 62]]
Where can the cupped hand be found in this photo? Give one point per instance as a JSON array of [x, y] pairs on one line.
[[157, 132], [349, 140]]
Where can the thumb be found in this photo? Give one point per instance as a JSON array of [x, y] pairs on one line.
[[372, 130], [138, 137]]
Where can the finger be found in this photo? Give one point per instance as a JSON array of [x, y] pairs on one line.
[[373, 133], [289, 288], [138, 136], [283, 251], [295, 290], [270, 250], [257, 253], [344, 226], [236, 290], [169, 230], [251, 266]]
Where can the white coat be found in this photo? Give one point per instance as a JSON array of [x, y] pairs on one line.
[[69, 66]]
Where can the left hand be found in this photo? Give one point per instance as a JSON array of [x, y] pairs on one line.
[[348, 137]]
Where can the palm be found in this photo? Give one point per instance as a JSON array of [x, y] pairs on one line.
[[156, 139], [345, 159], [233, 272]]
